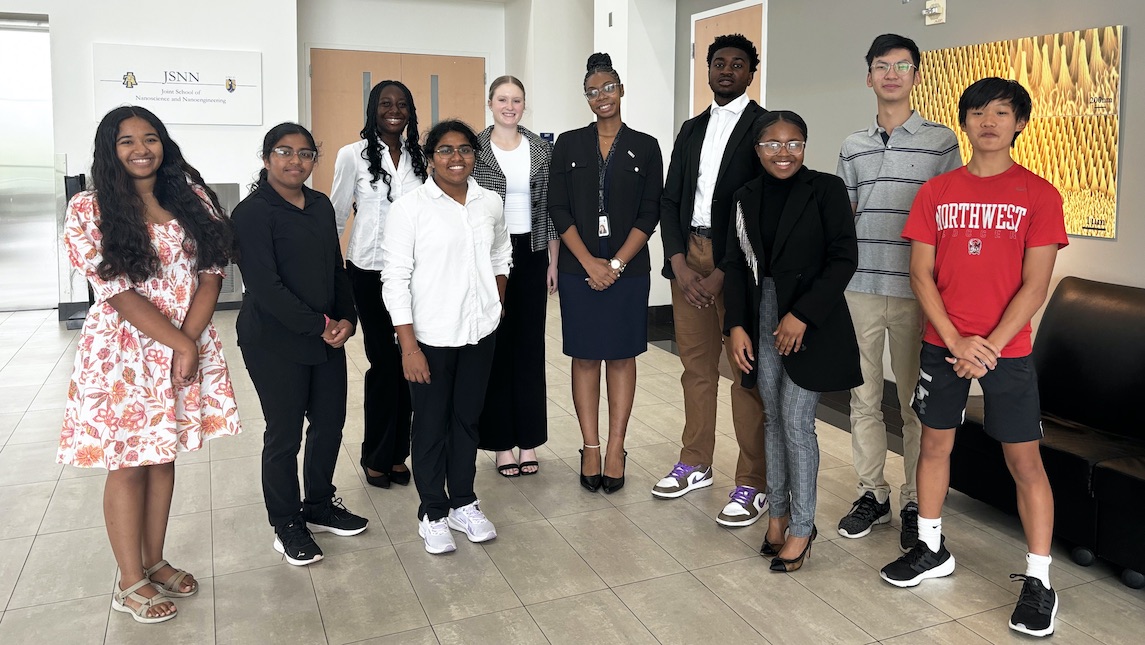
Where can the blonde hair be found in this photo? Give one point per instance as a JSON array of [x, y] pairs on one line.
[[501, 80]]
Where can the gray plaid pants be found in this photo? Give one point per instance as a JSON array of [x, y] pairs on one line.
[[789, 431]]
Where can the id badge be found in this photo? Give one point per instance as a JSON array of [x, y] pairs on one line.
[[603, 227]]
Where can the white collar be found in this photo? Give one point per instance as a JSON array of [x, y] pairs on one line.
[[735, 106]]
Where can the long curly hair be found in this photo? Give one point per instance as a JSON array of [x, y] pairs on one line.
[[127, 249], [373, 151]]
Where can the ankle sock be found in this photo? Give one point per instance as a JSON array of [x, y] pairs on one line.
[[1038, 566], [930, 532]]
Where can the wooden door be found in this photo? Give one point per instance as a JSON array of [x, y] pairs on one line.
[[747, 21], [340, 83]]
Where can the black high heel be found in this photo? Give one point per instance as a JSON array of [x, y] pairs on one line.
[[769, 550], [381, 481], [591, 482], [783, 565], [613, 484]]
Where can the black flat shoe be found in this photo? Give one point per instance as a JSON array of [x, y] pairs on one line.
[[381, 481], [783, 565], [613, 484], [591, 482], [400, 477]]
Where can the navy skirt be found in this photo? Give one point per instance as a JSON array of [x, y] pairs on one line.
[[604, 325]]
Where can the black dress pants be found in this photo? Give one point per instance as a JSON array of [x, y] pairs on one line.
[[516, 409], [446, 414], [290, 393], [387, 401]]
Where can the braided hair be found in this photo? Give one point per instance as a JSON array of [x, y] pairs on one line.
[[373, 151], [600, 62]]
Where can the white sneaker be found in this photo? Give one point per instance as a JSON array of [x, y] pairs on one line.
[[745, 508], [437, 537], [473, 522]]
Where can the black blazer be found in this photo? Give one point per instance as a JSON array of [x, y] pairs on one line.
[[292, 274], [635, 182], [815, 255], [739, 165]]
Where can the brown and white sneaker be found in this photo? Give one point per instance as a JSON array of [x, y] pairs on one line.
[[745, 508], [682, 480]]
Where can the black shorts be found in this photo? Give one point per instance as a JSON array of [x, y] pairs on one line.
[[1013, 410]]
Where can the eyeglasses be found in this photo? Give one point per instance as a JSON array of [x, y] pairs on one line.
[[772, 148], [608, 88], [285, 153], [447, 151], [902, 67]]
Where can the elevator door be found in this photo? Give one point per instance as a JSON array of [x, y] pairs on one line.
[[28, 271]]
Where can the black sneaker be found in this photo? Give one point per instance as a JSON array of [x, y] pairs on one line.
[[332, 517], [866, 512], [918, 565], [1036, 609], [909, 536], [295, 543]]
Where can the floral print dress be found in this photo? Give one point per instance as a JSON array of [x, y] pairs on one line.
[[122, 409]]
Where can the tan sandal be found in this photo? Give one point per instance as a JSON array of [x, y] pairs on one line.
[[174, 583], [121, 596]]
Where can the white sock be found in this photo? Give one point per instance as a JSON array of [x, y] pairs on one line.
[[1038, 566], [930, 532]]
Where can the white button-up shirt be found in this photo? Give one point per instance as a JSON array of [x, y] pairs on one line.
[[440, 262], [352, 185], [720, 125]]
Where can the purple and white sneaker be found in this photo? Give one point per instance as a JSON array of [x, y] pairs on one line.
[[746, 506], [682, 480]]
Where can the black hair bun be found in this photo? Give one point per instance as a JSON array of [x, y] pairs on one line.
[[598, 60]]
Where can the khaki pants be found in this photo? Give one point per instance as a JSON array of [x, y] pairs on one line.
[[874, 316], [699, 336]]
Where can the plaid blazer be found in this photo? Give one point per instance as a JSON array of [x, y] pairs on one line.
[[489, 175]]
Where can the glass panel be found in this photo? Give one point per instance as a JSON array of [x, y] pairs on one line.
[[28, 271]]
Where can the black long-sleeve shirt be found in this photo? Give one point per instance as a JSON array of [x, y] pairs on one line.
[[292, 273]]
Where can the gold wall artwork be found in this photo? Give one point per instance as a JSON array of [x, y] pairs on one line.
[[1074, 78]]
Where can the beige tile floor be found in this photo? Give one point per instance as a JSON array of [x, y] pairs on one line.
[[568, 566]]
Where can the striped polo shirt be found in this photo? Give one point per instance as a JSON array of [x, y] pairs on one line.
[[882, 179]]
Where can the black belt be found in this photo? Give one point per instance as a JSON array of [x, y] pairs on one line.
[[702, 231]]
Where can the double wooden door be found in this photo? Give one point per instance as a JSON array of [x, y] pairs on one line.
[[340, 82]]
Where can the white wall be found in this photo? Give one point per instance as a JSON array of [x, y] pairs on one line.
[[519, 39], [560, 41], [221, 153], [442, 27], [641, 43]]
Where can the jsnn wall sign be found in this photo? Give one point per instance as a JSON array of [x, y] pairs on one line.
[[187, 86]]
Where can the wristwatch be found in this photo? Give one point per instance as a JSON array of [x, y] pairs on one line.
[[616, 265]]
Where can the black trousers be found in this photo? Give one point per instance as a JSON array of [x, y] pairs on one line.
[[387, 401], [290, 393], [446, 414], [516, 413]]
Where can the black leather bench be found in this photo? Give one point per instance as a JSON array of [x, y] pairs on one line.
[[1089, 353]]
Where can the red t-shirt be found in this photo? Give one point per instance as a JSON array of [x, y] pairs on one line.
[[980, 228]]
